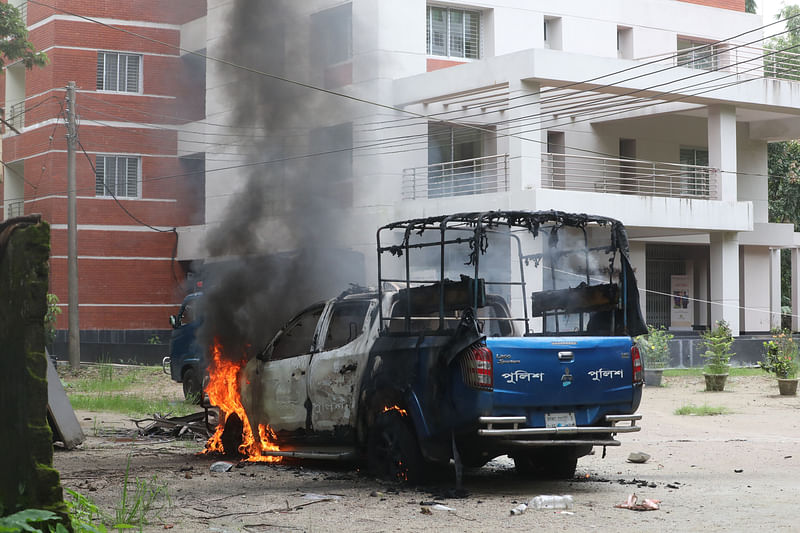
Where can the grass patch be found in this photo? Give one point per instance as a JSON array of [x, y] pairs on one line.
[[130, 405], [109, 378], [735, 371], [702, 410]]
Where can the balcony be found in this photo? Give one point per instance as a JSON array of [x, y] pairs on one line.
[[628, 176], [747, 61], [15, 209], [566, 172], [15, 117], [480, 175]]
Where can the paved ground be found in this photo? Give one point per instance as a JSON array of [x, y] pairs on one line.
[[734, 472]]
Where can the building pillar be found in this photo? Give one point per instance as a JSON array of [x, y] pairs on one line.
[[524, 148], [722, 149], [639, 264], [774, 288], [725, 279], [795, 289]]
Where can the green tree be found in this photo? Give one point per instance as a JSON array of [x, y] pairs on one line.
[[750, 6], [14, 43]]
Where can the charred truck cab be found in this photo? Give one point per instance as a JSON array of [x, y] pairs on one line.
[[505, 332]]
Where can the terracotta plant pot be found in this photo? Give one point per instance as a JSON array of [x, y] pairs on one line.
[[787, 387], [715, 382], [652, 376]]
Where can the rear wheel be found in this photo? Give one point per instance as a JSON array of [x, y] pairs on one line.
[[557, 463], [192, 389], [392, 450]]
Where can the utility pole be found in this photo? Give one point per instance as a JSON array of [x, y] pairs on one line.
[[74, 340]]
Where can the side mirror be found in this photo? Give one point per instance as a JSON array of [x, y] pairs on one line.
[[173, 321]]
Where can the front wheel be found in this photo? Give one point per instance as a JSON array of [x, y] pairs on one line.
[[192, 389], [557, 463], [392, 450]]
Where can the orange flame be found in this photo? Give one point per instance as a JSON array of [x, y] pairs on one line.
[[223, 392], [395, 407]]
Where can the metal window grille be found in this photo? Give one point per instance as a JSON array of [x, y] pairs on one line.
[[118, 72], [117, 176], [453, 32]]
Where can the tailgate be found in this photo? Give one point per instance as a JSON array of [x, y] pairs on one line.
[[590, 376]]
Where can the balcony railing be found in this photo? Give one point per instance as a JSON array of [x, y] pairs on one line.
[[747, 61], [457, 178], [15, 209], [628, 176], [15, 115]]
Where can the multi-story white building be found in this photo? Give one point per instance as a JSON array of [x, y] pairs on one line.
[[654, 112]]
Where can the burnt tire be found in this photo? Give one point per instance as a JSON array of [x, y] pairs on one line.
[[192, 389], [232, 435], [392, 450], [559, 463]]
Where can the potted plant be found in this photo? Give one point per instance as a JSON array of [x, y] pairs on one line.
[[780, 358], [654, 347], [717, 344]]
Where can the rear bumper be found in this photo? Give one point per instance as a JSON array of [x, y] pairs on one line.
[[507, 431]]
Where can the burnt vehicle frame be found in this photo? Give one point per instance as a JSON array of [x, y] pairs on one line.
[[416, 394]]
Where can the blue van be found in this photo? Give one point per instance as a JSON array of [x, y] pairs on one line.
[[186, 360]]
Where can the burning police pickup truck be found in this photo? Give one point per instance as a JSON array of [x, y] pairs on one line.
[[504, 332]]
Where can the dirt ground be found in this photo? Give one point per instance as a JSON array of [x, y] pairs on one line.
[[732, 472]]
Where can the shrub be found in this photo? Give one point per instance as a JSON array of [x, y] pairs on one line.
[[717, 343], [780, 355], [654, 346]]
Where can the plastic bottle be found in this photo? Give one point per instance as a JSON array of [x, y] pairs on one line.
[[552, 501]]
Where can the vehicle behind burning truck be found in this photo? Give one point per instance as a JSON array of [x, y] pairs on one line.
[[488, 334]]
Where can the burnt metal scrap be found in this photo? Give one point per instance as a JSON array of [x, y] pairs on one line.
[[195, 424]]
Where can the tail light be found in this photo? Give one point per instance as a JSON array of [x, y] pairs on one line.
[[477, 367], [636, 362]]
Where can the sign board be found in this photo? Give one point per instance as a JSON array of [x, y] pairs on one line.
[[680, 304]]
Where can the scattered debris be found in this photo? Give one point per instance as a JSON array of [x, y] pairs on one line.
[[673, 485], [440, 507], [646, 505], [194, 424], [519, 509], [552, 502], [638, 457], [425, 510], [641, 483], [221, 466]]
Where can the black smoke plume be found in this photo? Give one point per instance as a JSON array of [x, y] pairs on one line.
[[276, 249]]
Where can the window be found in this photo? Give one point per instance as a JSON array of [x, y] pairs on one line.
[[624, 43], [697, 54], [117, 175], [118, 72], [347, 323], [694, 181], [453, 32], [332, 33], [552, 33], [332, 170], [298, 336], [452, 155]]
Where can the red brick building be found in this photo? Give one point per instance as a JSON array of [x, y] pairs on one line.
[[134, 89]]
